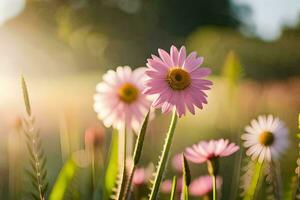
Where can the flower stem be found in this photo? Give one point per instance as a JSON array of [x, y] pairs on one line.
[[163, 158], [122, 185], [214, 181]]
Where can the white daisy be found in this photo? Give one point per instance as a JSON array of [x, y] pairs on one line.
[[266, 138]]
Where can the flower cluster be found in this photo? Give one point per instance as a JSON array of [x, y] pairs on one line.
[[175, 81], [172, 81]]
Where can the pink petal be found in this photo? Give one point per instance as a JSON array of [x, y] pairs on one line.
[[174, 55], [189, 104], [182, 56], [155, 74], [192, 62], [200, 73], [180, 104], [156, 64], [165, 57]]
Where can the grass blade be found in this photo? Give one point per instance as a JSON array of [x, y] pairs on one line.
[[186, 178], [137, 154], [64, 179], [232, 69], [174, 186], [254, 184], [112, 168]]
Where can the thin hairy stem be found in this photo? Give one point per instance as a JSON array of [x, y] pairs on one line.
[[163, 158]]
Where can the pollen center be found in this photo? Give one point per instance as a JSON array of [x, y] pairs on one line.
[[178, 78], [128, 93], [266, 138]]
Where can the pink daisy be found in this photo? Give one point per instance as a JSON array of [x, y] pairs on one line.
[[119, 100], [203, 185], [206, 151], [177, 81]]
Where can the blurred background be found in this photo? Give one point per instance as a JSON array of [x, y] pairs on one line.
[[64, 46]]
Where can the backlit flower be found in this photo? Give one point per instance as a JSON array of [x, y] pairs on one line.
[[266, 138], [203, 185], [119, 100], [177, 81], [205, 151]]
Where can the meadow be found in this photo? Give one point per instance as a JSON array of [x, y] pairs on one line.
[[93, 110]]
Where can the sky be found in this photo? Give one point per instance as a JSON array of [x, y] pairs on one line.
[[10, 9], [269, 17]]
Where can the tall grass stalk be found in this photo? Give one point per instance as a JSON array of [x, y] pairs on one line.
[[37, 172]]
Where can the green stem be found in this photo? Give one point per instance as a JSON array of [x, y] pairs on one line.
[[163, 159], [124, 175], [122, 185], [214, 181]]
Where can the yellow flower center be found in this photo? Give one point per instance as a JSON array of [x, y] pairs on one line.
[[266, 138], [178, 78], [128, 93]]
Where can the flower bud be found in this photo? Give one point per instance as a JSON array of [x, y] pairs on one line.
[[94, 136]]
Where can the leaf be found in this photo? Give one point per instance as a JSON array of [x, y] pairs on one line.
[[174, 186], [186, 178], [254, 183], [163, 159], [136, 155], [64, 178], [25, 96], [140, 141], [112, 168], [186, 170], [232, 69]]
